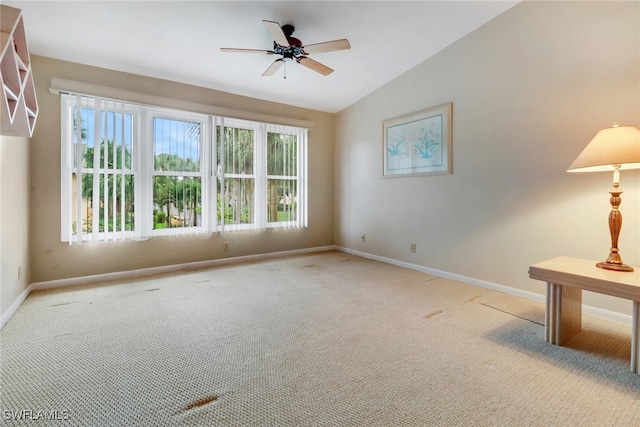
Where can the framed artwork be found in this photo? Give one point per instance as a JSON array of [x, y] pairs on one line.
[[418, 143]]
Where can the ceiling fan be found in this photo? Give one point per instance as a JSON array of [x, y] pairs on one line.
[[290, 48]]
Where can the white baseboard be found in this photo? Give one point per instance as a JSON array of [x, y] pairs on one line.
[[122, 275], [51, 284], [132, 274], [14, 306], [587, 309]]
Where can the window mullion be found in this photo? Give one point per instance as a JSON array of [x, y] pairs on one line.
[[123, 164], [222, 170], [95, 191], [104, 196], [303, 177], [66, 171], [78, 164], [208, 159], [114, 160], [260, 172], [143, 212]]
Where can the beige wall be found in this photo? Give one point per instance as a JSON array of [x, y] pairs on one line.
[[14, 219], [529, 91], [51, 259]]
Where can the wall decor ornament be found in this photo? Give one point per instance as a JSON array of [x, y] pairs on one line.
[[418, 143]]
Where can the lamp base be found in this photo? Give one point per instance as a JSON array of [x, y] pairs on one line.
[[613, 266]]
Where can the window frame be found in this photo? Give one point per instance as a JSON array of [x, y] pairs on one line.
[[280, 130], [210, 172], [220, 175], [68, 166], [149, 172]]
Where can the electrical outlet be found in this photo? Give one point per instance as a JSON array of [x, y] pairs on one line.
[[363, 237], [413, 248], [225, 246]]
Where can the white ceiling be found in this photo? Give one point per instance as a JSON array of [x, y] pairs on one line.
[[181, 41]]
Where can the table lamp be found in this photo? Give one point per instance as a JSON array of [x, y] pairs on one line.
[[612, 149]]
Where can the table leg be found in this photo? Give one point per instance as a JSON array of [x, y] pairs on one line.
[[550, 315], [635, 338], [563, 313]]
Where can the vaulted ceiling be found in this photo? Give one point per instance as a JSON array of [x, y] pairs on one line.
[[181, 41]]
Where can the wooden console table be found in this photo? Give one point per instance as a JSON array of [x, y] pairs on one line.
[[566, 278]]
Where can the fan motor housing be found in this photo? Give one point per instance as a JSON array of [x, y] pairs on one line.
[[294, 42]]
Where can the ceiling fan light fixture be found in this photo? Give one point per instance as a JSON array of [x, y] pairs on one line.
[[290, 48]]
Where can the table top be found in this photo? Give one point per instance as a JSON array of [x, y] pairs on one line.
[[584, 274]]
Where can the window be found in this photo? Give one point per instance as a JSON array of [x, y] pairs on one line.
[[99, 177], [130, 171], [178, 172], [260, 165], [237, 179], [282, 177]]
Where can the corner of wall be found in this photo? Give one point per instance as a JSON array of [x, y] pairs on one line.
[[14, 224]]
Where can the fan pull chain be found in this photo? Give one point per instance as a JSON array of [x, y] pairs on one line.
[[285, 70]]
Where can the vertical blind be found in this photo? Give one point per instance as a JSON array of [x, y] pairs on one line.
[[238, 166], [101, 177], [286, 176], [136, 172], [262, 175]]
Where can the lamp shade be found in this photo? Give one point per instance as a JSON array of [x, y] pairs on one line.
[[617, 145]]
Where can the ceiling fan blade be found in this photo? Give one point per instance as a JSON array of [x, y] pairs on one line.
[[342, 44], [275, 66], [276, 32], [233, 49], [315, 66]]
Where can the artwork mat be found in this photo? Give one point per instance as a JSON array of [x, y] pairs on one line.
[[417, 148]]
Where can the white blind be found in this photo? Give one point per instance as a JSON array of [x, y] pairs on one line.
[[238, 168], [262, 175], [130, 171], [100, 177], [285, 158]]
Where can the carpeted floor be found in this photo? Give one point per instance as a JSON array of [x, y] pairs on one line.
[[324, 339]]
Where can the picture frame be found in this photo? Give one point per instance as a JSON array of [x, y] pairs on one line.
[[419, 143]]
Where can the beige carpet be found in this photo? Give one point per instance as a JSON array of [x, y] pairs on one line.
[[325, 339]]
